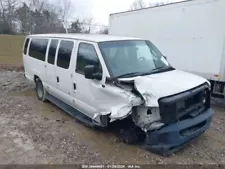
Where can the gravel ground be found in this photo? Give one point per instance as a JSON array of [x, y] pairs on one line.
[[32, 132]]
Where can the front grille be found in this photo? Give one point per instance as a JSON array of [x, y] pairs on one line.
[[184, 105]]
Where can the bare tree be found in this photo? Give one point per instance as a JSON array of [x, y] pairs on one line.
[[64, 11], [24, 18], [76, 27], [35, 16], [7, 10], [159, 3], [138, 4], [88, 24], [37, 4], [104, 31]]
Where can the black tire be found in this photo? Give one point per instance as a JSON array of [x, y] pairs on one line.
[[40, 90], [129, 136]]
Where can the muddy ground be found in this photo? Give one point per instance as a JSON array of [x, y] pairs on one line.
[[32, 132]]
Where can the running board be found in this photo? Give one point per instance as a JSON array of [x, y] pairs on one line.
[[70, 110], [217, 95]]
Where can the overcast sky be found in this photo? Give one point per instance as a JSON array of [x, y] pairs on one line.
[[100, 9]]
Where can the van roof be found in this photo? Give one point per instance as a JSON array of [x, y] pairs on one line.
[[87, 37]]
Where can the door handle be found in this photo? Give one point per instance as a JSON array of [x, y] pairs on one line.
[[57, 79], [74, 86]]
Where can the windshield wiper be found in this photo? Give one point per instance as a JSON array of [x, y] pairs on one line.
[[155, 70], [158, 68], [162, 69], [132, 74]]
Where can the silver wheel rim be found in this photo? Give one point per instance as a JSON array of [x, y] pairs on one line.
[[40, 90]]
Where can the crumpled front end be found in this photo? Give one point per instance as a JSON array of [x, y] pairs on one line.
[[184, 116], [168, 121], [173, 137]]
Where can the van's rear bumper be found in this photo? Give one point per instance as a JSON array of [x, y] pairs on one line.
[[171, 138]]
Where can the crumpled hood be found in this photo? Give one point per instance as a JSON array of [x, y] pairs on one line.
[[155, 86]]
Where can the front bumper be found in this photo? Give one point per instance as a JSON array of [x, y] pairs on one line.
[[173, 137]]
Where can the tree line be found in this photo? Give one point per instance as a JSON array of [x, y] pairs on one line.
[[42, 16], [140, 4]]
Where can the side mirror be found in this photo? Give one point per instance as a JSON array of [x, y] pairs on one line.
[[91, 73]]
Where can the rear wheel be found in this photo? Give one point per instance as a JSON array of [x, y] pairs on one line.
[[40, 90]]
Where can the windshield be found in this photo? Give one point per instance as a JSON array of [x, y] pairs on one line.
[[132, 58]]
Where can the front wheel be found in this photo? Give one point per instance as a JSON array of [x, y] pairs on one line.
[[129, 136], [40, 90]]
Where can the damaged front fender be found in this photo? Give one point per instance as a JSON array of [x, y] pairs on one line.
[[124, 98], [124, 110], [116, 101]]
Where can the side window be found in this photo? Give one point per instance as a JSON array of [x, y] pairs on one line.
[[86, 56], [25, 46], [52, 51], [38, 48], [64, 54]]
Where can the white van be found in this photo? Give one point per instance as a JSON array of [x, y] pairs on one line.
[[102, 79]]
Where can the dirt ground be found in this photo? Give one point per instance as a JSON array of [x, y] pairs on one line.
[[32, 132], [11, 49]]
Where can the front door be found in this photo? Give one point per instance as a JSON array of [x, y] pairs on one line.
[[84, 89]]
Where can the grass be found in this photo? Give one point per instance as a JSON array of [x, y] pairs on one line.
[[11, 50]]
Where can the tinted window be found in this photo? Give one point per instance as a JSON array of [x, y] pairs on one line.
[[52, 51], [38, 48], [86, 56], [26, 45], [64, 54]]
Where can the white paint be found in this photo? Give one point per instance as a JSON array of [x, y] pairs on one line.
[[191, 34], [92, 99], [166, 84], [86, 37]]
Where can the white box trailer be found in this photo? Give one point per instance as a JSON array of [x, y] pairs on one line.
[[191, 34]]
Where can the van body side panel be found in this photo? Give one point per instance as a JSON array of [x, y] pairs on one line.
[[25, 61], [33, 66]]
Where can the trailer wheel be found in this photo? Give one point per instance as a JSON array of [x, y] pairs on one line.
[[129, 136], [40, 90]]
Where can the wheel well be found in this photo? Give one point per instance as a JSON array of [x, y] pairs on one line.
[[35, 78]]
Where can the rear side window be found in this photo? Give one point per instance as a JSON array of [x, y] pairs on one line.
[[52, 51], [25, 46], [38, 48], [86, 56], [64, 54]]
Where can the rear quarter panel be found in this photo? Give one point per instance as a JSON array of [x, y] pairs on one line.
[[33, 66]]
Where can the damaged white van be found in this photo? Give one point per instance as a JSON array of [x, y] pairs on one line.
[[102, 79]]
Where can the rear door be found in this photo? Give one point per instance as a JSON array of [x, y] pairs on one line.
[[63, 70], [51, 82]]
